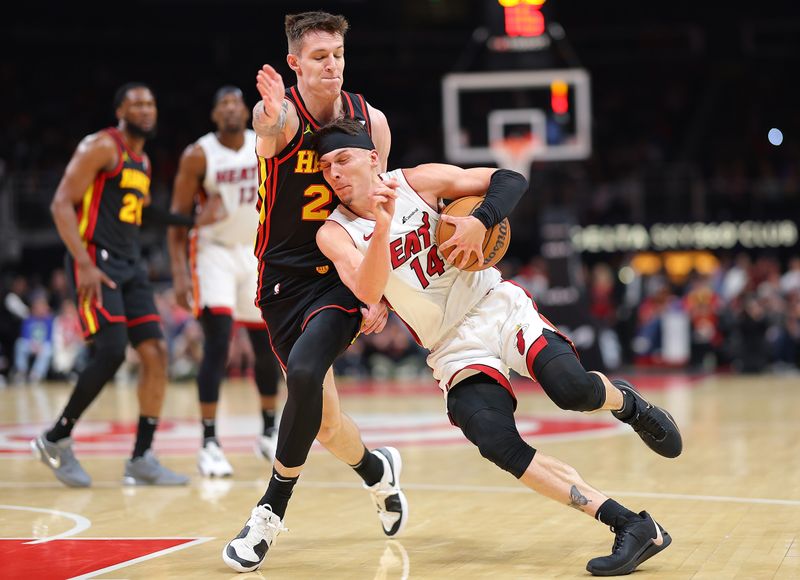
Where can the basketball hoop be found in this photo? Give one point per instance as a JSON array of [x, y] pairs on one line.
[[516, 152]]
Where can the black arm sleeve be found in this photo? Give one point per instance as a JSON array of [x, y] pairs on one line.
[[155, 215], [506, 188]]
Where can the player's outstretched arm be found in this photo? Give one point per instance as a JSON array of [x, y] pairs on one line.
[[275, 119]]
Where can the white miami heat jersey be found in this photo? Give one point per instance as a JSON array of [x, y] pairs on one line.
[[428, 293], [233, 175]]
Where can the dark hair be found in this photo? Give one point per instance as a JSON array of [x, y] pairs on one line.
[[122, 92], [226, 90], [298, 25], [346, 125]]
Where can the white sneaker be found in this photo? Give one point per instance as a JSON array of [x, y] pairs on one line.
[[267, 445], [387, 495], [211, 461], [247, 551]]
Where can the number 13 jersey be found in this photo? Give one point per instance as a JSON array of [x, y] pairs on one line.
[[430, 295], [232, 175]]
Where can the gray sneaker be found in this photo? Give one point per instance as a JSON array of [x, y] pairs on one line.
[[61, 460], [146, 470]]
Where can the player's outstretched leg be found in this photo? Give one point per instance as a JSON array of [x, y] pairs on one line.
[[654, 425]]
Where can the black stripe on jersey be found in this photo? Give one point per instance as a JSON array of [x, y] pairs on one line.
[[366, 113]]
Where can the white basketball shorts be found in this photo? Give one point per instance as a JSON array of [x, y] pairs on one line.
[[498, 334], [225, 280]]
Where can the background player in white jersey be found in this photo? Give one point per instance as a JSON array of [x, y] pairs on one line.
[[218, 171], [476, 325]]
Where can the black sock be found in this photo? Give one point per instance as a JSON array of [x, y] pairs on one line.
[[269, 420], [62, 428], [628, 406], [278, 493], [209, 430], [615, 515], [370, 468], [144, 435]]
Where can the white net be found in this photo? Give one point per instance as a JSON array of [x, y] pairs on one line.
[[516, 152]]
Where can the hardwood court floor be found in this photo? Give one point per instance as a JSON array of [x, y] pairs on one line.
[[731, 502]]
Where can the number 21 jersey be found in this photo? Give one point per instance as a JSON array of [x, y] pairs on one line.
[[110, 213]]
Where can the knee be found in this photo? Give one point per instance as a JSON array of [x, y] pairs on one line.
[[154, 356], [303, 379], [329, 427], [574, 390], [499, 442], [215, 346], [109, 351]]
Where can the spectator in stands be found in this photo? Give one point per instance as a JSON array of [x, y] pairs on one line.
[[68, 342], [702, 306], [790, 280], [751, 329], [393, 353], [735, 280], [35, 342], [13, 310]]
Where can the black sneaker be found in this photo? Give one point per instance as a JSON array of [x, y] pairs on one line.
[[653, 424], [635, 542]]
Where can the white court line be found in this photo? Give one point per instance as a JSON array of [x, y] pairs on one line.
[[144, 558], [438, 488], [81, 523], [523, 489]]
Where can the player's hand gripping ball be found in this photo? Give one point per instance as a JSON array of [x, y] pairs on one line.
[[495, 243]]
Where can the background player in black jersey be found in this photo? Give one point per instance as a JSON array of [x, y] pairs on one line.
[[97, 209], [311, 316], [218, 173]]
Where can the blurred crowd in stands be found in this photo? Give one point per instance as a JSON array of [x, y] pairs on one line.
[[744, 316], [681, 108]]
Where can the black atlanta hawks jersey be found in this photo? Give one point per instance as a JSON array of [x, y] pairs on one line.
[[110, 213], [294, 199]]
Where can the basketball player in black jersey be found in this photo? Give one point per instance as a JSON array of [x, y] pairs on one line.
[[98, 210], [311, 316]]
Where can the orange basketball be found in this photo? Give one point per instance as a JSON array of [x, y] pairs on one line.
[[495, 243]]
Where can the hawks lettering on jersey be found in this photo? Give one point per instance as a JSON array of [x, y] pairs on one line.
[[110, 212], [307, 161]]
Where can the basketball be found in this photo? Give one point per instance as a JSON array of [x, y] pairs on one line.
[[495, 243]]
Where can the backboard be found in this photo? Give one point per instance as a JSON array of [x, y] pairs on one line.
[[482, 108]]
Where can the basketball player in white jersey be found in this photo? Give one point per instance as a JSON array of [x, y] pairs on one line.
[[476, 325], [218, 172]]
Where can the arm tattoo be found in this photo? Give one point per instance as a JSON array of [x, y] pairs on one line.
[[260, 121], [576, 499]]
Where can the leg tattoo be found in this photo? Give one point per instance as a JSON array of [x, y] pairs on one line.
[[576, 499]]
